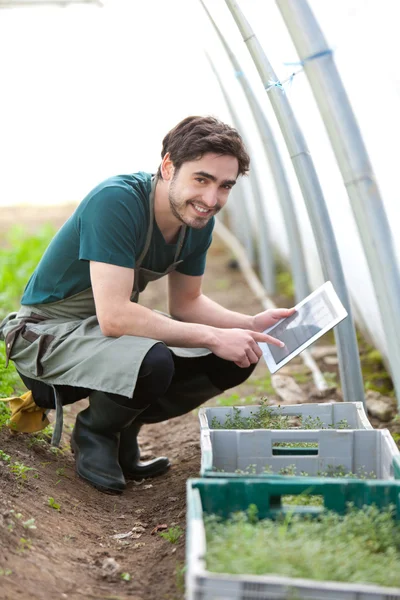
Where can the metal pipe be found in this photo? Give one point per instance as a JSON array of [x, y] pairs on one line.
[[296, 252], [349, 362], [265, 252], [355, 166]]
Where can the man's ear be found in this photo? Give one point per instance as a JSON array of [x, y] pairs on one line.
[[167, 167]]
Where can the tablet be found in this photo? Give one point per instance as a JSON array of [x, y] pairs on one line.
[[314, 316]]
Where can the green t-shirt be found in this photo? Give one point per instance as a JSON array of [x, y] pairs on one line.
[[110, 226]]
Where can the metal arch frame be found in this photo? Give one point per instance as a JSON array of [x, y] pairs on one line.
[[349, 361]]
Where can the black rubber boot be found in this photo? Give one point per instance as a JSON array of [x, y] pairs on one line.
[[95, 442], [129, 456]]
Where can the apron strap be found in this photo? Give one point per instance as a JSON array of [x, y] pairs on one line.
[[151, 221]]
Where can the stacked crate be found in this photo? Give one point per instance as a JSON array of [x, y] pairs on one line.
[[227, 486]]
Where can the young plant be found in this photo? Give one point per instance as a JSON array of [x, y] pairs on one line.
[[361, 546], [53, 504], [4, 457], [172, 534], [267, 417], [20, 470]]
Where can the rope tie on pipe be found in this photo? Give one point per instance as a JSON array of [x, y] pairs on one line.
[[287, 82]]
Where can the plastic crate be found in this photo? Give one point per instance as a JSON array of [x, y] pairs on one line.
[[372, 451], [224, 496], [330, 413]]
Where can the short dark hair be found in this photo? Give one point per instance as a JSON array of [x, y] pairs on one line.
[[195, 136]]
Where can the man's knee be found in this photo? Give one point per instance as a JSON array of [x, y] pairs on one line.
[[157, 368], [225, 374]]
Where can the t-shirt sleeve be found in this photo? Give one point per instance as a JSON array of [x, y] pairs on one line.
[[195, 263], [108, 228]]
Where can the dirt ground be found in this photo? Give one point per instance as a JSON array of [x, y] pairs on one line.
[[74, 552]]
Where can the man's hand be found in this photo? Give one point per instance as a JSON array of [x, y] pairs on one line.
[[240, 345], [269, 317]]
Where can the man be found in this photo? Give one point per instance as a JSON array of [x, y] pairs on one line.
[[81, 332]]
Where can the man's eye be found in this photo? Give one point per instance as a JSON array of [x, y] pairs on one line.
[[200, 179]]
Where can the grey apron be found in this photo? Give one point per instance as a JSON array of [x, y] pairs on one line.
[[61, 343]]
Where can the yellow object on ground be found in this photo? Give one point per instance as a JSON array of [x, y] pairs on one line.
[[26, 416]]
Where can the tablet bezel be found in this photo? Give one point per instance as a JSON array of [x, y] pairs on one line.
[[338, 307]]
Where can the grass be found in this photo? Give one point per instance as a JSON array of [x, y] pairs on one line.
[[361, 546], [267, 417]]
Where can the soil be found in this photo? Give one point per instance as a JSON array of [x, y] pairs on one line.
[[73, 552]]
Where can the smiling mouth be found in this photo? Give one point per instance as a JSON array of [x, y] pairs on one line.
[[200, 210]]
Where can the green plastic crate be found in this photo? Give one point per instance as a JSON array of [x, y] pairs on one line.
[[224, 496]]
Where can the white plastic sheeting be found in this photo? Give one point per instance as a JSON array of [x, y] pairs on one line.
[[89, 92]]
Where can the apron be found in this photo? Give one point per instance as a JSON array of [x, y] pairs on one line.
[[61, 343]]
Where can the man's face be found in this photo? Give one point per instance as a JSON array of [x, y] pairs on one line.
[[200, 188]]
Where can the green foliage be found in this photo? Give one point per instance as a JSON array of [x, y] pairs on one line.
[[284, 282], [180, 571], [29, 524], [18, 259], [4, 457], [53, 504], [20, 470], [126, 576], [172, 534], [361, 546], [267, 417]]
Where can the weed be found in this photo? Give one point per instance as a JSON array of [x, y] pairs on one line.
[[4, 457], [60, 472], [172, 534], [53, 504], [20, 470], [29, 524], [24, 544], [180, 571]]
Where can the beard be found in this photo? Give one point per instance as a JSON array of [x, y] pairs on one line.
[[179, 207]]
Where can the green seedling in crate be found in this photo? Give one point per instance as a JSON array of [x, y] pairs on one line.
[[360, 546]]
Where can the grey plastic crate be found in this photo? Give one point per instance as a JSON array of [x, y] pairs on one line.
[[231, 450], [205, 585], [330, 413]]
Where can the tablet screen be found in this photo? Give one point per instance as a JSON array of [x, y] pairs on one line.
[[309, 319]]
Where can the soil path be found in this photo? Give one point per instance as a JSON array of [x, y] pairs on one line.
[[65, 557]]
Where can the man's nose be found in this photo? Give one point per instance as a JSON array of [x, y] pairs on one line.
[[210, 198]]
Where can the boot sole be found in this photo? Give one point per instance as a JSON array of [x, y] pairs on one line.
[[103, 489], [138, 477]]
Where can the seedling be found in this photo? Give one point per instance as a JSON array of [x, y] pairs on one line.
[[126, 576], [53, 504], [268, 418], [361, 546], [20, 470], [29, 524], [4, 457], [5, 572], [24, 544], [172, 534]]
